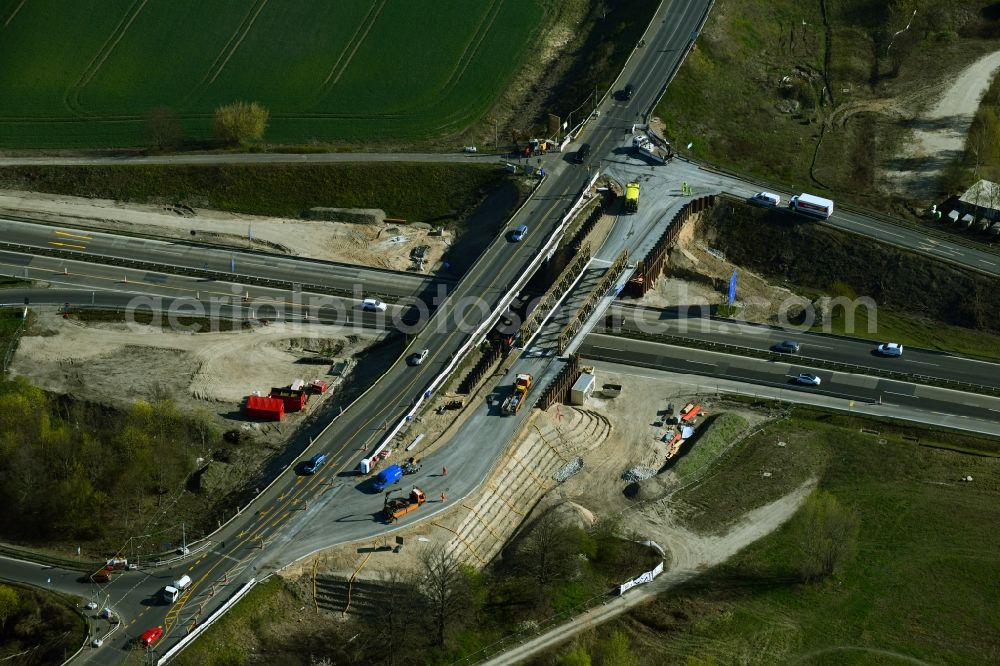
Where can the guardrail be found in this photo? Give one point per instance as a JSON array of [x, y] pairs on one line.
[[836, 366], [365, 465]]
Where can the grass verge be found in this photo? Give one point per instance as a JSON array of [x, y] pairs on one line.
[[920, 587], [436, 193], [909, 330], [711, 442]]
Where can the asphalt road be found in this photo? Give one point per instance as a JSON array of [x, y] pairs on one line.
[[225, 263], [838, 349], [950, 408]]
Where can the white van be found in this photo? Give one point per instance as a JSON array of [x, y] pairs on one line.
[[766, 199], [171, 592]]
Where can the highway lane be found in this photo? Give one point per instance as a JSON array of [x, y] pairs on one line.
[[236, 264], [88, 284], [835, 348], [780, 375]]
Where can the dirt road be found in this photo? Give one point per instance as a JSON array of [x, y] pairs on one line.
[[939, 134], [691, 554]]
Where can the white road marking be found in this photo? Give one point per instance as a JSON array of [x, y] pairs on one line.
[[924, 363]]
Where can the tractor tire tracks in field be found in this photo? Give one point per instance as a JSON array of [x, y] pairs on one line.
[[72, 97], [352, 46], [14, 13], [227, 51]]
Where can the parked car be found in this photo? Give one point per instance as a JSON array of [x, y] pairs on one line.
[[418, 357], [150, 636], [766, 199], [314, 463], [373, 305], [519, 233], [890, 349], [808, 379], [787, 347]]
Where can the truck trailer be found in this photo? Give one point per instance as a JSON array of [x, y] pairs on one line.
[[522, 384], [646, 148], [631, 197], [808, 204]]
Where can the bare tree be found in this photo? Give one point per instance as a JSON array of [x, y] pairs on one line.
[[163, 128], [445, 587], [827, 535], [548, 553]]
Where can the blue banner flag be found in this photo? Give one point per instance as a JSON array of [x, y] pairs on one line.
[[732, 288]]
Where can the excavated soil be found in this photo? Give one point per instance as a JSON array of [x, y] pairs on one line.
[[380, 245]]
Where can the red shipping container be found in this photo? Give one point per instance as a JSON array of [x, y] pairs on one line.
[[264, 409], [293, 399]]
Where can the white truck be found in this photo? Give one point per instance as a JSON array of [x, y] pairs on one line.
[[646, 148], [171, 592], [811, 205]]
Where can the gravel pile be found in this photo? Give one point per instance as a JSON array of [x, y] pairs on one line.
[[569, 469], [638, 474]]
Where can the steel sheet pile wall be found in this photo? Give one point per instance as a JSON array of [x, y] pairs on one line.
[[554, 293], [587, 308], [649, 270], [489, 358], [588, 225], [558, 389]]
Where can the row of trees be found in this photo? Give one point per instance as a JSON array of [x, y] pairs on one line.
[[72, 470], [445, 606], [36, 628], [438, 611], [237, 124]]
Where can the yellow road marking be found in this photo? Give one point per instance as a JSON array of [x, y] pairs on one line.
[[69, 235], [76, 247]]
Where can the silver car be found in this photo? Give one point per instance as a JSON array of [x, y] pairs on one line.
[[808, 379], [418, 357]]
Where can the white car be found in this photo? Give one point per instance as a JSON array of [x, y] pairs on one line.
[[766, 199], [97, 642], [91, 605], [418, 357], [890, 349], [808, 379], [373, 305]]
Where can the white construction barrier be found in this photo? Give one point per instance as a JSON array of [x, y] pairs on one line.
[[366, 464]]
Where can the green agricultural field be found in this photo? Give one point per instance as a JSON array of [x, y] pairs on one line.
[[84, 73]]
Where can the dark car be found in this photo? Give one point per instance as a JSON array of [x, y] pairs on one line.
[[582, 154], [626, 92], [787, 347], [314, 463]]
